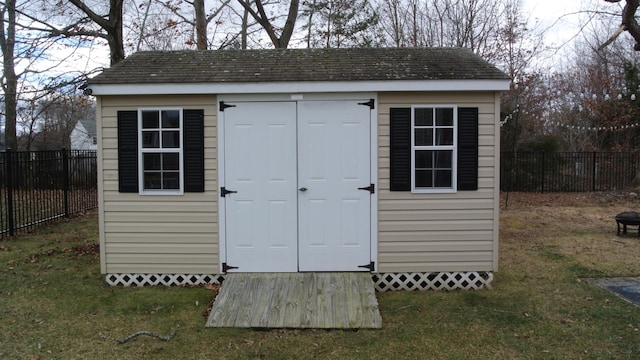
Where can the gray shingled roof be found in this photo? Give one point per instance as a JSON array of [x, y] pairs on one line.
[[241, 66]]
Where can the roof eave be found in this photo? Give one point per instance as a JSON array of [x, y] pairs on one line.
[[298, 87]]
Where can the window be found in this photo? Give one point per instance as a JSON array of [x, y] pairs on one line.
[[160, 151], [433, 148], [191, 150]]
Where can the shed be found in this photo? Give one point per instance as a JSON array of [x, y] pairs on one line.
[[382, 160]]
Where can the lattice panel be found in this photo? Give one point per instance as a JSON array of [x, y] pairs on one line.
[[162, 279], [432, 281], [383, 281]]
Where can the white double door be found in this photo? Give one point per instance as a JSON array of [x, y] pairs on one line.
[[296, 168]]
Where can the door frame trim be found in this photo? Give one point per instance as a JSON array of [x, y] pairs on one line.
[[222, 255]]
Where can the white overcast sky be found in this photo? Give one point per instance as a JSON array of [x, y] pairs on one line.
[[559, 18]]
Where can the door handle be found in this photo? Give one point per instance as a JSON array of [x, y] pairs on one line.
[[303, 189]]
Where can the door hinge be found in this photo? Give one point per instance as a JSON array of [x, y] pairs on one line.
[[223, 105], [371, 188], [226, 267], [371, 266], [371, 104], [224, 192]]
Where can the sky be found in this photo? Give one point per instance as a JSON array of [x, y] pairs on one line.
[[557, 16]]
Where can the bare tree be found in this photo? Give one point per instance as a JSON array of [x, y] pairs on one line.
[[474, 24], [199, 19], [110, 24], [629, 23], [279, 40]]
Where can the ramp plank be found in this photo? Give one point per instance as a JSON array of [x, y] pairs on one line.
[[296, 300]]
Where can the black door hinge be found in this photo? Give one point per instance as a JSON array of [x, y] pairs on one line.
[[224, 106], [371, 188], [371, 266], [224, 192], [371, 104], [226, 267]]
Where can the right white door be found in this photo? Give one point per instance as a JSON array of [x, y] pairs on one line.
[[334, 161]]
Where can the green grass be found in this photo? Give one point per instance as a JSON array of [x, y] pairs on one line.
[[54, 304]]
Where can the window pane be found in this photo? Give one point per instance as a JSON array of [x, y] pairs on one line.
[[424, 178], [170, 139], [150, 120], [150, 139], [444, 117], [443, 159], [170, 161], [423, 137], [424, 159], [443, 178], [152, 180], [444, 136], [423, 117], [151, 162], [171, 180], [171, 119]]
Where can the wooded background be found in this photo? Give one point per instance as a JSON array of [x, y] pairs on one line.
[[587, 101]]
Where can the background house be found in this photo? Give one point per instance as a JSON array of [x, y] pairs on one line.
[[84, 135]]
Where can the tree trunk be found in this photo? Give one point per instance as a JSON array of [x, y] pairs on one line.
[[7, 43], [201, 25], [114, 31], [245, 29], [112, 26]]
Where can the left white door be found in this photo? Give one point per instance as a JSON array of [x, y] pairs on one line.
[[260, 166]]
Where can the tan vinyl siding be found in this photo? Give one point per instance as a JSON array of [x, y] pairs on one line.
[[157, 234], [439, 232]]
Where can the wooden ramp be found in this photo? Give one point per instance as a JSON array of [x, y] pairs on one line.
[[296, 300]]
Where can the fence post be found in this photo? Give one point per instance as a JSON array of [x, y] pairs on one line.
[[594, 172], [10, 213], [65, 181]]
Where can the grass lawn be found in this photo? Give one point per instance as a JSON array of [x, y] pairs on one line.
[[54, 303]]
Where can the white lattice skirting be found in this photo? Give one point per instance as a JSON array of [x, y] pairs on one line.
[[163, 279], [382, 281], [468, 280]]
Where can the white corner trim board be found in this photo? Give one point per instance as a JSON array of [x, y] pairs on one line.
[[467, 280]]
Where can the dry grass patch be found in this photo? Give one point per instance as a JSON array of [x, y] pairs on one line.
[[578, 226], [54, 303]]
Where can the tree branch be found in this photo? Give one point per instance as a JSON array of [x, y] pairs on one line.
[[628, 23], [100, 20], [613, 37]]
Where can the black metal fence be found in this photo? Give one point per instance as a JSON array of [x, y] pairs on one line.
[[568, 171], [41, 186]]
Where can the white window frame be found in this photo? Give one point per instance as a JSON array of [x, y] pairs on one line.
[[179, 150], [453, 148]]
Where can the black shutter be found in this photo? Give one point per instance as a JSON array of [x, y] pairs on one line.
[[467, 148], [193, 138], [128, 151], [400, 149]]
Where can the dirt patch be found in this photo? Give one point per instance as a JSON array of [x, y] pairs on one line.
[[92, 250]]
